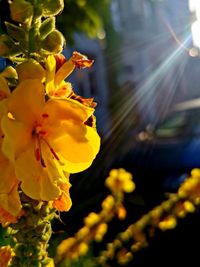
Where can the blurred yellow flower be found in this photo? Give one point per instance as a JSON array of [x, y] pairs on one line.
[[169, 222], [108, 203], [100, 231], [46, 139], [92, 219], [120, 180], [191, 187]]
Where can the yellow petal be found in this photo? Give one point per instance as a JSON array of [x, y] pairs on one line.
[[63, 202], [77, 148], [64, 71], [10, 202], [27, 101], [67, 109], [4, 89], [36, 182], [16, 137], [8, 179], [51, 69], [3, 107], [64, 90]]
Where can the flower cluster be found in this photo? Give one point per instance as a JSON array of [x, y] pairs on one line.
[[137, 235], [96, 224], [164, 217], [47, 132]]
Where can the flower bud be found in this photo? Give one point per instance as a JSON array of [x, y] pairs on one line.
[[47, 26], [54, 42], [51, 8], [21, 11]]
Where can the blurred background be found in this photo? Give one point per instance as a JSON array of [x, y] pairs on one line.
[[146, 82]]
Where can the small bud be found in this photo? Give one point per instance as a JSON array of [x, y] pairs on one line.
[[47, 26], [54, 42], [21, 11], [82, 249], [30, 69], [51, 8]]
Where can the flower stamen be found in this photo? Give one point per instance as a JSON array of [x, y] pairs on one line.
[[51, 149], [38, 153]]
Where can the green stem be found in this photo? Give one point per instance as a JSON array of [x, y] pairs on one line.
[[31, 234]]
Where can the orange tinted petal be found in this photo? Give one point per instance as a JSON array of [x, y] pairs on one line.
[[63, 202], [6, 218], [5, 256], [81, 61]]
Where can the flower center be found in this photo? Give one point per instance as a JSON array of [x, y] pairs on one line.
[[40, 135]]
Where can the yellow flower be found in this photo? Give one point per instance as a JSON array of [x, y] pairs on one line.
[[45, 139], [59, 69], [168, 223], [100, 232], [120, 181], [10, 206], [92, 219]]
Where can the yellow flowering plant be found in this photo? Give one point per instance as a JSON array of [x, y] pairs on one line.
[[47, 131]]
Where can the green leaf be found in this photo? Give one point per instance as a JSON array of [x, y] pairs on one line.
[[15, 32]]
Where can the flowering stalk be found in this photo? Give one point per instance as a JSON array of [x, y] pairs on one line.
[[163, 217], [31, 233], [96, 224], [47, 131]]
